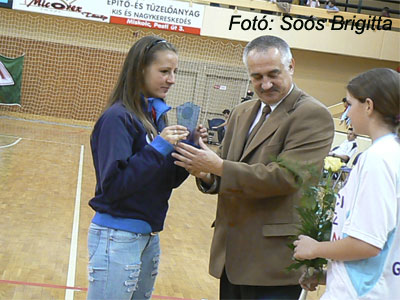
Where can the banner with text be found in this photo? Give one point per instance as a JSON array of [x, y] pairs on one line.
[[92, 10], [162, 15], [10, 80]]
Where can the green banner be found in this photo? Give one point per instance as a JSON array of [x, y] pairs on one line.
[[10, 80]]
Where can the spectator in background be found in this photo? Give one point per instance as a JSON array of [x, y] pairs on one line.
[[344, 117], [385, 12], [331, 7], [221, 128], [313, 3], [347, 149], [218, 5], [249, 95]]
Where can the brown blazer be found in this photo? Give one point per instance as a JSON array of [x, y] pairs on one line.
[[256, 197]]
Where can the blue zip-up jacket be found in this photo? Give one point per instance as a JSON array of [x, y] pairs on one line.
[[135, 178]]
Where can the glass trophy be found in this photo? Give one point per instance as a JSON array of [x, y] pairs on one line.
[[187, 115]]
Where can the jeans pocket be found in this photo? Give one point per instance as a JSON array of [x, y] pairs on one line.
[[121, 236], [94, 236]]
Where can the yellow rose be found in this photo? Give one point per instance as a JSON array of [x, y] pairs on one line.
[[332, 163]]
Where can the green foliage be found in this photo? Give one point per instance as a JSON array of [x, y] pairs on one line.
[[316, 213], [316, 208]]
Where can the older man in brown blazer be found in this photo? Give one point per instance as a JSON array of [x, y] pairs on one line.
[[257, 195]]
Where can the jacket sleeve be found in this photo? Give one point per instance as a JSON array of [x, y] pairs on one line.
[[122, 171], [308, 133], [209, 189]]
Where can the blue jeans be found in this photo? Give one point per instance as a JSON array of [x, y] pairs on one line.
[[122, 265]]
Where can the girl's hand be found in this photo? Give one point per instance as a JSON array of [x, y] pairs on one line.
[[175, 133], [203, 133], [305, 248], [199, 132], [310, 282]]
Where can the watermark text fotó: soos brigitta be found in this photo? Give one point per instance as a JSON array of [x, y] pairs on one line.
[[359, 26]]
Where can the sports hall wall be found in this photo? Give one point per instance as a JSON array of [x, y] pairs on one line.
[[71, 66]]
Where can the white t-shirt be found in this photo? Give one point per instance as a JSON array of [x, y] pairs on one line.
[[346, 148], [368, 208]]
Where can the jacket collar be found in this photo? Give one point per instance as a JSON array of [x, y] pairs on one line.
[[159, 106], [273, 121]]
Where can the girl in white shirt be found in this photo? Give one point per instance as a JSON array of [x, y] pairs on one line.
[[363, 254]]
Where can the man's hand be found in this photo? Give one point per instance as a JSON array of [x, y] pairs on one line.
[[198, 161]]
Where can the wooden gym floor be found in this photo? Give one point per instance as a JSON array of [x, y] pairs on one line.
[[38, 191], [46, 180]]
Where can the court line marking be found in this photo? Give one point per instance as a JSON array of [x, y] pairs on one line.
[[11, 104], [12, 144], [56, 286], [69, 293], [46, 122], [37, 140]]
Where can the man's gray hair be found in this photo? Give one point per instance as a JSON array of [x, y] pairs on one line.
[[266, 42]]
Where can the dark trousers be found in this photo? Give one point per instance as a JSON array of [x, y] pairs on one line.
[[231, 291], [221, 134]]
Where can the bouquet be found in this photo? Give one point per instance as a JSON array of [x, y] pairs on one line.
[[316, 212]]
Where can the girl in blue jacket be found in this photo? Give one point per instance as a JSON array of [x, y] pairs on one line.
[[131, 146]]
